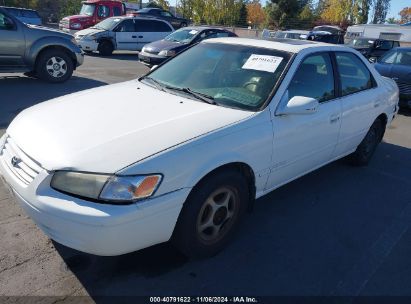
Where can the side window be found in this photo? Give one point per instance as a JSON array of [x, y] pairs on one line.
[[116, 11], [126, 26], [354, 75], [152, 26], [166, 14], [396, 44], [6, 23], [103, 11], [314, 78]]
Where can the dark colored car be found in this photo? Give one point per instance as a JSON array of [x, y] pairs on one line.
[[159, 51], [396, 64], [27, 16], [372, 49], [176, 22], [326, 36], [38, 51]]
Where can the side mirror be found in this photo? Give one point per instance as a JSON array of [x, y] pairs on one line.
[[154, 67], [299, 105]]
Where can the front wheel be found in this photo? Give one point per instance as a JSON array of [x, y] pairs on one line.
[[366, 149], [105, 48], [54, 66], [211, 214]]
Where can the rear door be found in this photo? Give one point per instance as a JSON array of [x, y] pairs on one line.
[[127, 37], [148, 31], [12, 43], [361, 100]]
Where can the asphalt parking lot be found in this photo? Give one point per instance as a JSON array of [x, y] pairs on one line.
[[337, 231]]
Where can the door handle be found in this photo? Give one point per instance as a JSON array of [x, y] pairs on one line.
[[140, 37], [133, 36], [334, 118]]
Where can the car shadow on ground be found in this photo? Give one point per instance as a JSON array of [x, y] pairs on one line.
[[129, 56], [23, 92], [328, 233]]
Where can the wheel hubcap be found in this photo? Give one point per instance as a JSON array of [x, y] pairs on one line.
[[56, 67], [217, 215]]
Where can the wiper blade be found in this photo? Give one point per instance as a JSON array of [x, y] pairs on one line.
[[203, 97]]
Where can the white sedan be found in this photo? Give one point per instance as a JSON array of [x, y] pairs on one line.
[[182, 152]]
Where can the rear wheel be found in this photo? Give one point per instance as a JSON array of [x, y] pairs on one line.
[[183, 24], [367, 147], [105, 48], [211, 214], [54, 66]]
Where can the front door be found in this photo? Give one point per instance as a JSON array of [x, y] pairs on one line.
[[304, 142], [12, 43]]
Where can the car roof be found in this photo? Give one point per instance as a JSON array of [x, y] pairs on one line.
[[18, 8], [295, 31], [203, 27], [286, 45]]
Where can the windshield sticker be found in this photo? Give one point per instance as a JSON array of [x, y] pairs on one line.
[[262, 63], [193, 32]]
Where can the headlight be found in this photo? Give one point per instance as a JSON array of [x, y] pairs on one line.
[[167, 53], [109, 188], [75, 26]]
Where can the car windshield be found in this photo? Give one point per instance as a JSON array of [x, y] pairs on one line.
[[108, 24], [361, 42], [87, 9], [182, 35], [229, 75]]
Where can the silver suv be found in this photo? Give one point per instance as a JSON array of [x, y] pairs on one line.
[[45, 53]]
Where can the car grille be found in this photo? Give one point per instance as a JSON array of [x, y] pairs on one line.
[[22, 166], [405, 88]]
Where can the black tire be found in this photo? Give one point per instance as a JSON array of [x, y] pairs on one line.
[[366, 149], [189, 236], [105, 48], [183, 24], [54, 66]]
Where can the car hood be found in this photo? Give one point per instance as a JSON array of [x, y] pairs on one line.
[[160, 45], [78, 18], [48, 31], [89, 31], [109, 128]]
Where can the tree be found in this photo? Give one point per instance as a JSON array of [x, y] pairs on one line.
[[243, 16], [280, 13], [338, 11], [363, 11], [381, 8], [70, 7], [405, 14], [164, 4], [255, 13]]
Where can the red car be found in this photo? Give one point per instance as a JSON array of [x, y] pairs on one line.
[[93, 12]]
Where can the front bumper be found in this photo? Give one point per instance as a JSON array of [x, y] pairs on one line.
[[151, 59], [80, 58], [88, 45], [94, 228]]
